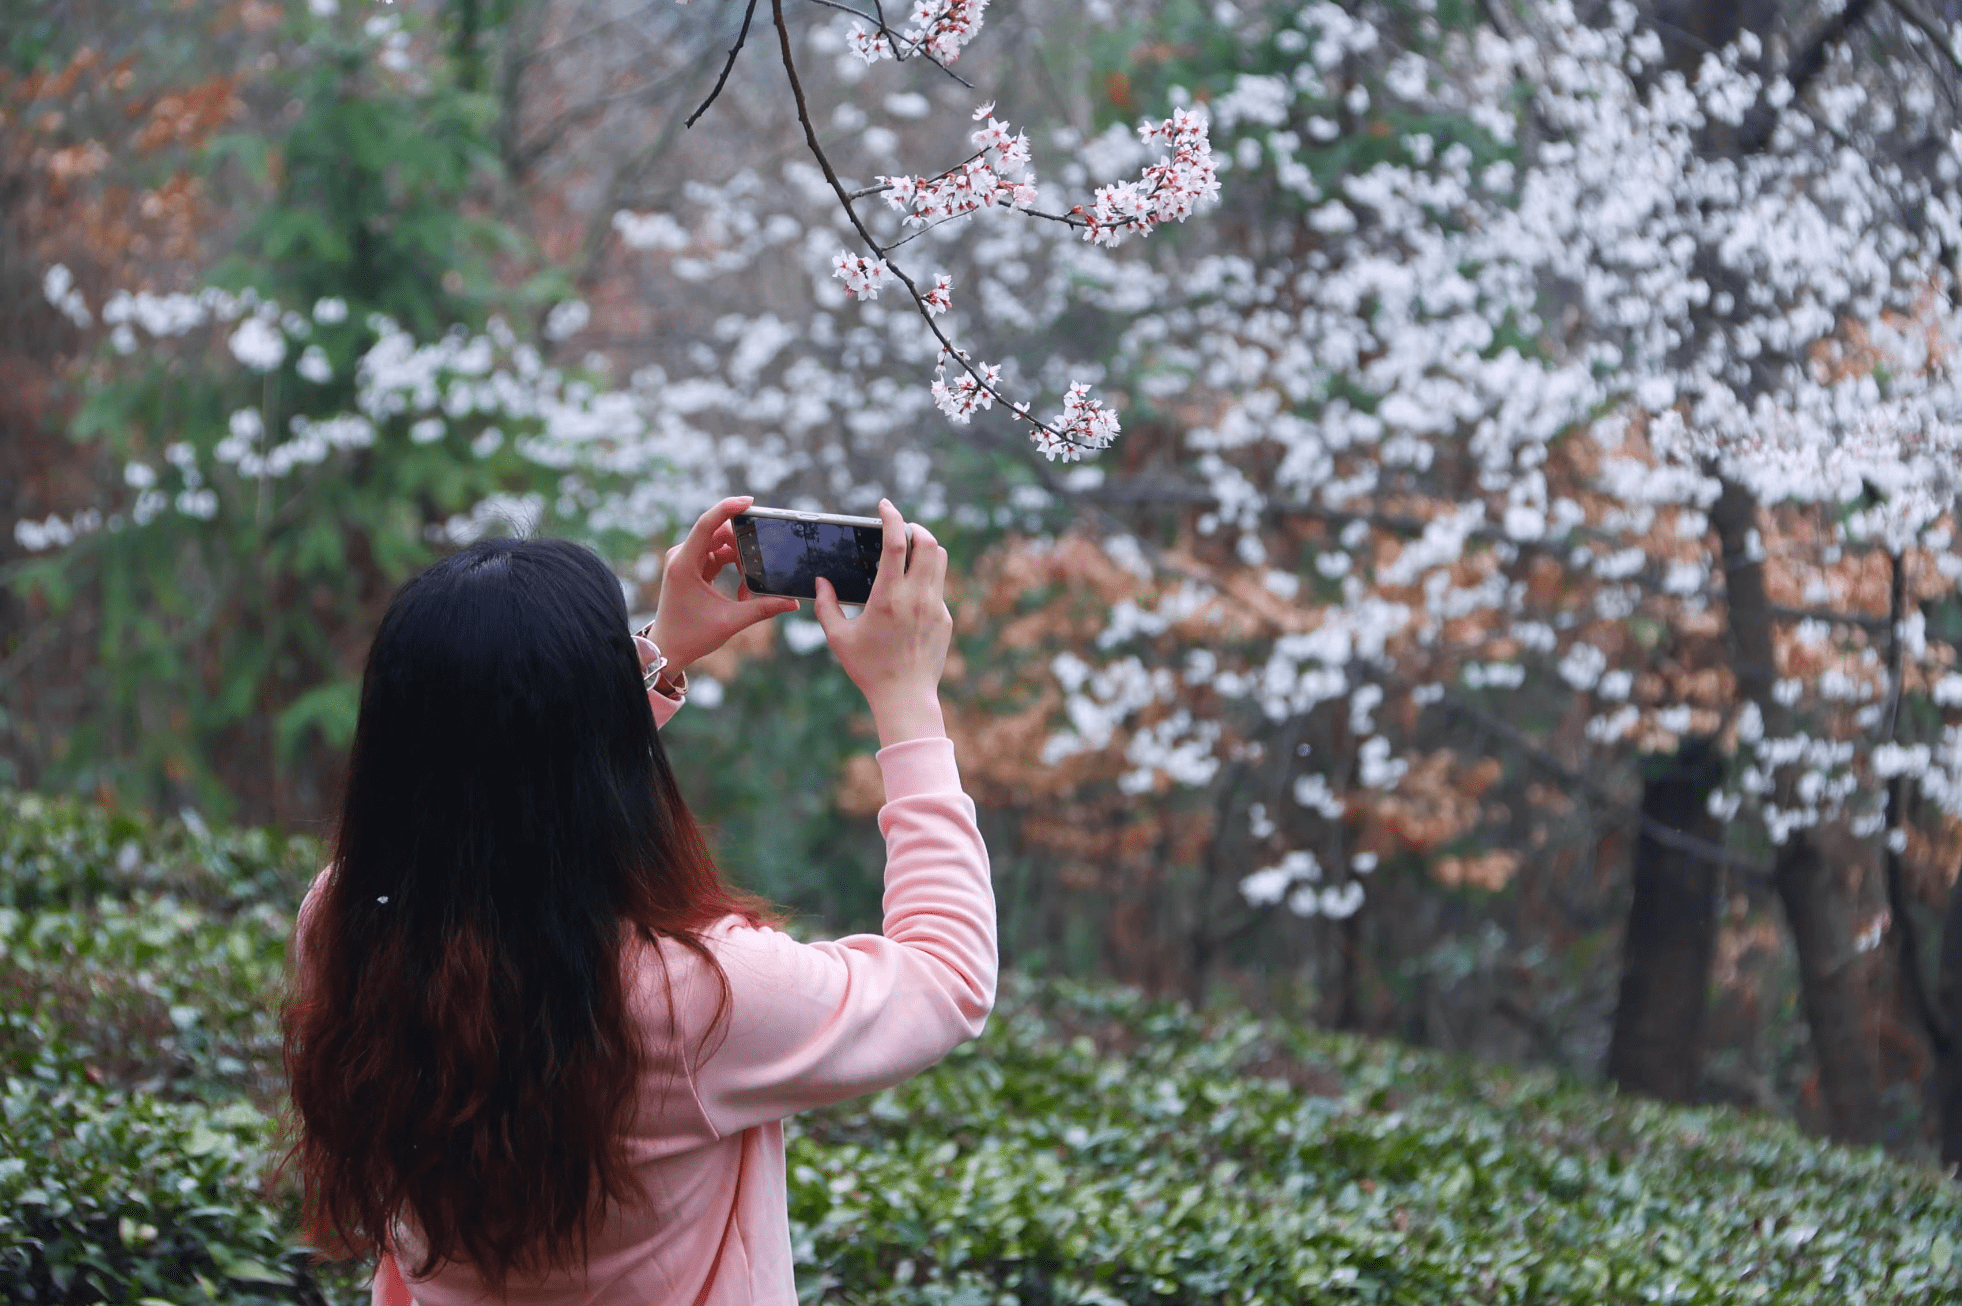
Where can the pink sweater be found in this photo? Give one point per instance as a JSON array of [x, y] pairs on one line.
[[808, 1024]]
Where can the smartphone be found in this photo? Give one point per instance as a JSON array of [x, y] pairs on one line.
[[783, 553]]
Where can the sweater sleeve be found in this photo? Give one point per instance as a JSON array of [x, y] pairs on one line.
[[811, 1024], [664, 706]]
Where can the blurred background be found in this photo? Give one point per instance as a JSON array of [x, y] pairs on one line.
[[293, 297]]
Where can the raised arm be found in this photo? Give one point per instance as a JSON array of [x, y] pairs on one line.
[[815, 1023], [811, 1024]]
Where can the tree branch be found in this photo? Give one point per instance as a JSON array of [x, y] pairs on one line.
[[948, 349], [1913, 13], [749, 12], [1501, 23], [1666, 835], [1809, 63], [1859, 619], [550, 134], [587, 33]]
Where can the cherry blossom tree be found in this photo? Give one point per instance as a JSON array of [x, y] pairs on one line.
[[1634, 406]]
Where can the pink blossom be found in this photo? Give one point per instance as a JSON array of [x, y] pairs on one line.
[[940, 298], [995, 176], [940, 30], [960, 398], [1084, 425], [864, 277], [869, 46], [1169, 190]]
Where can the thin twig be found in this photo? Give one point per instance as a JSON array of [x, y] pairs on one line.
[[550, 134], [1914, 14], [922, 230], [546, 51], [1859, 619], [749, 12], [1076, 220]]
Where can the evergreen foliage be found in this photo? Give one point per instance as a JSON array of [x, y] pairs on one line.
[[1093, 1147]]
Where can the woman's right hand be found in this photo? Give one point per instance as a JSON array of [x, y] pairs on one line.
[[895, 650]]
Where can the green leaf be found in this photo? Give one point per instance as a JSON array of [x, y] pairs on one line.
[[331, 709], [249, 1271]]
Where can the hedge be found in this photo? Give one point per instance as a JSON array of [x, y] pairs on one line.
[[1093, 1147]]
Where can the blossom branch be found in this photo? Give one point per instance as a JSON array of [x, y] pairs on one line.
[[1084, 424], [882, 28]]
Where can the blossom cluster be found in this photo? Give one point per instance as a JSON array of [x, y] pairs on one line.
[[864, 277], [967, 393], [489, 393], [1083, 426], [997, 175], [1778, 324], [1170, 189], [940, 29], [940, 296]]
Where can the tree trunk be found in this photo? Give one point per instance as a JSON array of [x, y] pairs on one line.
[[1948, 996], [1820, 917], [1818, 908], [1656, 1049]]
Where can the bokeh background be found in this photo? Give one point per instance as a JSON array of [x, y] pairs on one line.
[[295, 296]]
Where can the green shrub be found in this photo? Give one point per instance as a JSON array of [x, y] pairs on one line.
[[1161, 1156], [121, 1197], [1094, 1147], [60, 851]]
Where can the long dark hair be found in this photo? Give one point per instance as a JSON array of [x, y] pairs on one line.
[[459, 1045]]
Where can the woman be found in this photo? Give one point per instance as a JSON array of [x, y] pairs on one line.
[[538, 1050]]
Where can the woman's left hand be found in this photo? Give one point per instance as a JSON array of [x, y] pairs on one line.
[[695, 618]]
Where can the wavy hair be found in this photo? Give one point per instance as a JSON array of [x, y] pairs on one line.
[[458, 1041]]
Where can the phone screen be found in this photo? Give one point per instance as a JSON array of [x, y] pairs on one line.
[[786, 557]]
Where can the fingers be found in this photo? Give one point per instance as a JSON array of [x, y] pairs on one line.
[[702, 535], [929, 559], [722, 555], [768, 605], [829, 614], [892, 552], [750, 611]]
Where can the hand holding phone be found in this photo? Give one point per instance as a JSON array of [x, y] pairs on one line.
[[694, 618], [896, 649]]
